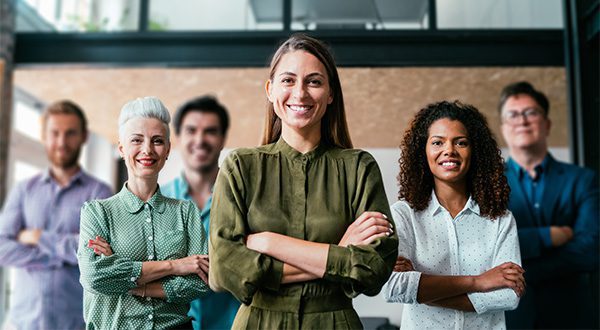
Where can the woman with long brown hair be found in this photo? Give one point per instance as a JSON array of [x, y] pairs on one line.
[[299, 225]]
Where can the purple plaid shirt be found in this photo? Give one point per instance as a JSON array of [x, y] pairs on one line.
[[47, 292]]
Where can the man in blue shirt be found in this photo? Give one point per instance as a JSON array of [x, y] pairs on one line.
[[556, 208], [39, 228], [201, 128]]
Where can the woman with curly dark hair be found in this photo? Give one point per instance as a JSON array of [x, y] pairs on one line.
[[458, 264]]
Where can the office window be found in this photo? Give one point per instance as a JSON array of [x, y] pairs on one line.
[[210, 15], [77, 15], [359, 14], [499, 14]]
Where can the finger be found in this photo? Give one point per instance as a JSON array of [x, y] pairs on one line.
[[374, 221], [101, 239], [369, 214], [373, 237], [203, 276], [102, 244]]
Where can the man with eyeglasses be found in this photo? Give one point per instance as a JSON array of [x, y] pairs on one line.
[[556, 208]]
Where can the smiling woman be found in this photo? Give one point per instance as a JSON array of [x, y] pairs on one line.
[[458, 246], [140, 252], [299, 226]]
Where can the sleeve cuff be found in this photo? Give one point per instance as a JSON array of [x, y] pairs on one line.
[[272, 279], [136, 272], [476, 299], [545, 236], [45, 243], [169, 286], [337, 261]]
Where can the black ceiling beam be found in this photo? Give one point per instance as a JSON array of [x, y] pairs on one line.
[[252, 49]]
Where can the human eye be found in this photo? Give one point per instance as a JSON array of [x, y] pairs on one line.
[[463, 143], [287, 80], [315, 82], [531, 113], [436, 142], [136, 140], [158, 141]]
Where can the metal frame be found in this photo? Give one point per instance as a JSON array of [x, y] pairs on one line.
[[373, 48]]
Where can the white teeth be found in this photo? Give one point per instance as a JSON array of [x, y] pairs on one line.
[[299, 107], [449, 164]]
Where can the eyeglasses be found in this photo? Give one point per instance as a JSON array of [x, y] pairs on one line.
[[513, 117]]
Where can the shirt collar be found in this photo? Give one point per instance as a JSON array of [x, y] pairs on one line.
[[435, 207], [182, 185], [540, 169], [134, 204], [294, 154], [78, 177]]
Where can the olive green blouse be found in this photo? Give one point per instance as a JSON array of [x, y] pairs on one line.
[[313, 196]]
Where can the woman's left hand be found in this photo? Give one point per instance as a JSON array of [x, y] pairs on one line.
[[100, 246], [403, 265]]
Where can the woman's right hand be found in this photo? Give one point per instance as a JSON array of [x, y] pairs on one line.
[[506, 275], [367, 227], [194, 264]]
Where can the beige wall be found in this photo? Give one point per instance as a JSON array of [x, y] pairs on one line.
[[379, 101]]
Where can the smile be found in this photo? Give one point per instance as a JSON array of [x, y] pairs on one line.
[[450, 164], [146, 161], [300, 109]]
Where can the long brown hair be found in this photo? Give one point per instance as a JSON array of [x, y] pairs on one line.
[[334, 129]]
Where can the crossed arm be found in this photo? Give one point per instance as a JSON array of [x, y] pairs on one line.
[[305, 260], [451, 291]]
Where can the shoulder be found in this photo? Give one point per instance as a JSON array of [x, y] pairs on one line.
[[98, 187], [402, 210], [574, 170], [30, 183], [169, 188], [353, 156]]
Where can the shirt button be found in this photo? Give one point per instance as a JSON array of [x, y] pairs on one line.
[[148, 299], [151, 257], [150, 317], [148, 220], [133, 279], [149, 238]]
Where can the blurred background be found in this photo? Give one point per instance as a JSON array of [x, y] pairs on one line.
[[394, 57]]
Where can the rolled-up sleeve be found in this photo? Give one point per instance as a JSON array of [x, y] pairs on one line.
[[506, 249], [233, 267], [189, 287], [109, 275], [365, 269]]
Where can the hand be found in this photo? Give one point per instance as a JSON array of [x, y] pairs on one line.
[[403, 265], [506, 275], [194, 264], [366, 228], [29, 236], [100, 246], [560, 235], [258, 242]]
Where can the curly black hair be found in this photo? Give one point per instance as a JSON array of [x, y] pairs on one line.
[[485, 179]]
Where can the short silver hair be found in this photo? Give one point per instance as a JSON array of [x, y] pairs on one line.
[[145, 107]]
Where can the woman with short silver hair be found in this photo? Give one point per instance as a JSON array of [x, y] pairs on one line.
[[139, 252]]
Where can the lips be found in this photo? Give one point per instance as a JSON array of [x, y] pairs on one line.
[[299, 108], [450, 164], [146, 161]]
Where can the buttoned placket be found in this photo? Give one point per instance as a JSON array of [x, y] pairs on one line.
[[459, 317], [150, 248]]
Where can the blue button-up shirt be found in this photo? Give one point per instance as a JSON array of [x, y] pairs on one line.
[[217, 309], [533, 188], [47, 291]]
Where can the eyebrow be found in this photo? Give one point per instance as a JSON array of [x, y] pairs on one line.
[[444, 137], [287, 73]]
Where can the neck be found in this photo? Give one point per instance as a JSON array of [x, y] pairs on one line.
[[452, 196], [142, 188], [63, 175], [529, 158], [201, 181], [302, 141]]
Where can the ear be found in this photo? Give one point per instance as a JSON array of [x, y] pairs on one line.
[[548, 126], [120, 148], [268, 89], [330, 99]]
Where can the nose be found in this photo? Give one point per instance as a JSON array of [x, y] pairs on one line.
[[449, 149], [147, 147], [299, 91]]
